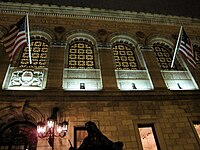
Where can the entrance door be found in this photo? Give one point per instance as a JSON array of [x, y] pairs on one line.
[[18, 136]]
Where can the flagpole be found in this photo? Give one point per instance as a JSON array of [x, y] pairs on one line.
[[6, 76], [176, 48], [29, 41]]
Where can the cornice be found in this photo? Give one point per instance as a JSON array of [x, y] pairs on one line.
[[51, 94], [94, 13]]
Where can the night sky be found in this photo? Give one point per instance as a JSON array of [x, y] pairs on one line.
[[187, 8]]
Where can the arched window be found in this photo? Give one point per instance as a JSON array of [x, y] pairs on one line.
[[164, 56], [130, 68], [39, 54], [82, 68], [23, 75], [178, 77], [81, 55], [124, 56]]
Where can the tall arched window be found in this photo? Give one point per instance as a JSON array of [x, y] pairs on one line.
[[130, 68], [164, 56], [39, 53], [23, 75], [82, 68], [81, 55], [178, 77], [124, 56]]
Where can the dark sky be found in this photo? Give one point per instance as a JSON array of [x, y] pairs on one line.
[[187, 8]]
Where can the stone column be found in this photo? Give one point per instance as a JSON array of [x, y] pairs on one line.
[[55, 67], [153, 67], [107, 68]]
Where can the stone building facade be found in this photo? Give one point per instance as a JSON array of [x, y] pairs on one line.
[[109, 67]]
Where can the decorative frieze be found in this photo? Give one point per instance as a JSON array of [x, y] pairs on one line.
[[25, 79], [94, 14]]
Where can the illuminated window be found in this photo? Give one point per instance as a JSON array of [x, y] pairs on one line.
[[163, 55], [131, 74], [124, 56], [148, 137], [81, 55], [197, 127], [177, 77], [39, 53], [81, 70], [197, 55], [26, 76]]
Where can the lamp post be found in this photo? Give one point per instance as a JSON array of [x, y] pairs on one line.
[[52, 129]]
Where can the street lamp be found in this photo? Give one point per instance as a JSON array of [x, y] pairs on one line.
[[52, 128]]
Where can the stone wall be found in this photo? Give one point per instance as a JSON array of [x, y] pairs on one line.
[[117, 113], [118, 120]]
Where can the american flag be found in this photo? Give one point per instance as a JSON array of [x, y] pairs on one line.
[[187, 49], [15, 39]]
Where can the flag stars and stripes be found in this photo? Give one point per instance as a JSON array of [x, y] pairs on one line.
[[187, 49], [184, 45], [15, 39]]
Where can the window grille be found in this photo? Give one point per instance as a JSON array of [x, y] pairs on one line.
[[81, 55], [82, 69], [39, 55], [128, 70], [177, 77], [124, 56], [163, 55], [26, 76]]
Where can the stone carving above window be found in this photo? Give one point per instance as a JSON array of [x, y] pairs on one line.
[[26, 79]]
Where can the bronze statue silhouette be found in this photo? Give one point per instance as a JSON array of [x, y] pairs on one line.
[[96, 140]]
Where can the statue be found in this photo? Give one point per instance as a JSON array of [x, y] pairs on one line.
[[96, 140]]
